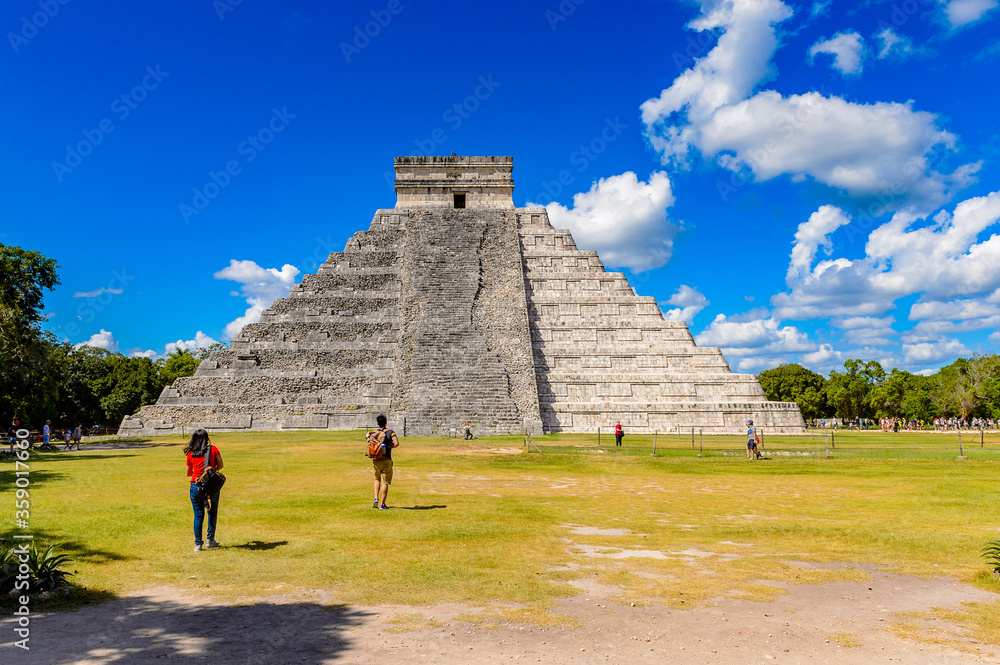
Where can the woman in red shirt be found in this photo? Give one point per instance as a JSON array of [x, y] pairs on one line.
[[196, 451]]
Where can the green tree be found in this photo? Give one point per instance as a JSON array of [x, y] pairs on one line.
[[179, 363], [204, 352], [78, 371], [26, 386], [129, 384], [795, 383], [849, 391]]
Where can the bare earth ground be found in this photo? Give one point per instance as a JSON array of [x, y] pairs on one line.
[[838, 622]]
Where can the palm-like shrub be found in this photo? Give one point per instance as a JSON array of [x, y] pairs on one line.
[[45, 569], [992, 554]]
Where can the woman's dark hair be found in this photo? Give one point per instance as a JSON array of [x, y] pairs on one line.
[[380, 419], [199, 444]]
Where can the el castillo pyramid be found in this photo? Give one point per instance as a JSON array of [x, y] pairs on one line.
[[456, 306]]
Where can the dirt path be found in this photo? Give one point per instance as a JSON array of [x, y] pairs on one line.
[[810, 624]]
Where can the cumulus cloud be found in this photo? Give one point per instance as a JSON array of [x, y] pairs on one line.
[[846, 48], [867, 331], [102, 340], [941, 259], [259, 286], [755, 340], [994, 338], [200, 341], [927, 352], [862, 149], [624, 219], [688, 302], [965, 12]]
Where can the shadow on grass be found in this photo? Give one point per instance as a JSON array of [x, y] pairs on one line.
[[8, 476], [259, 545], [77, 551], [142, 629], [421, 507]]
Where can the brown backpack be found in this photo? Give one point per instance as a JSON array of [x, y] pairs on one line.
[[377, 444]]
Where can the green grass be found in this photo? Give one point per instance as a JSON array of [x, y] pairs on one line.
[[474, 525]]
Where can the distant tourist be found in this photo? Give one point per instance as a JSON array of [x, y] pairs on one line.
[[468, 431], [12, 433], [45, 432], [68, 437], [198, 450], [78, 434], [619, 432], [752, 451], [383, 464]]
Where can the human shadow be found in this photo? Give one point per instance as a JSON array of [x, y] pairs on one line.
[[142, 629], [421, 507], [260, 545]]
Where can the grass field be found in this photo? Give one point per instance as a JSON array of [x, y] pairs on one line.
[[483, 522]]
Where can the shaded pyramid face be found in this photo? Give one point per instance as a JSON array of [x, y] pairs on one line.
[[456, 306]]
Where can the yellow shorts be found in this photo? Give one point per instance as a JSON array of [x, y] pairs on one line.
[[383, 470]]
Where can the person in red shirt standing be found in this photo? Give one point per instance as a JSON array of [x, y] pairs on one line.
[[619, 433], [198, 450]]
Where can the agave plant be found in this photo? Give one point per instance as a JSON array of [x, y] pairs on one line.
[[992, 554], [46, 569]]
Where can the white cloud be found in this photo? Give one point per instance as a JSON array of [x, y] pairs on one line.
[[102, 340], [846, 49], [259, 286], [812, 235], [148, 353], [892, 44], [941, 259], [755, 342], [926, 352], [688, 303], [94, 294], [965, 12], [867, 331], [624, 219], [200, 341], [862, 149], [994, 338]]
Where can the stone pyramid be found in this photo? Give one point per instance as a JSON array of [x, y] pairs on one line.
[[456, 306]]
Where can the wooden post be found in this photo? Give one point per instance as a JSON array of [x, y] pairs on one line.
[[654, 444], [826, 432], [701, 448], [982, 440], [833, 438], [961, 454], [692, 438], [598, 436]]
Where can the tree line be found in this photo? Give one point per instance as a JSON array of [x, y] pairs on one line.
[[44, 379], [967, 388]]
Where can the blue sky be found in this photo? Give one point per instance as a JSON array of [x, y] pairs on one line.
[[801, 183]]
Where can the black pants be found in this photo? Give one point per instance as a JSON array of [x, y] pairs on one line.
[[618, 439]]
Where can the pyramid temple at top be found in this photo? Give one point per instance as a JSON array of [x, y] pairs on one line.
[[456, 306]]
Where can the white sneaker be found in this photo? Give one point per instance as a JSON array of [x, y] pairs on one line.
[[197, 548], [213, 543]]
